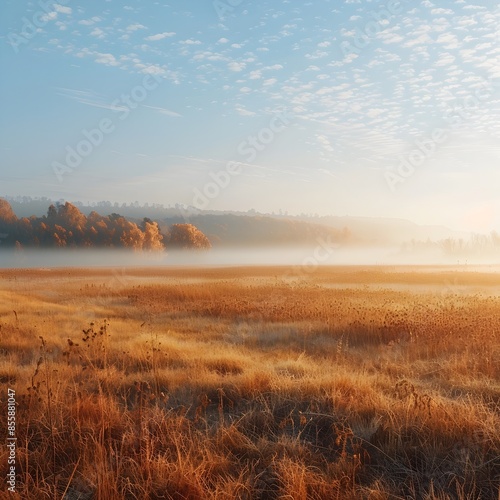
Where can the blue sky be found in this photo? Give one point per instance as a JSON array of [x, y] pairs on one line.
[[351, 107]]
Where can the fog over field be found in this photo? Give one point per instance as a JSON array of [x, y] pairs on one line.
[[305, 258]]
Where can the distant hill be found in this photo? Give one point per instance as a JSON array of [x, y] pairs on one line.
[[387, 231], [258, 230]]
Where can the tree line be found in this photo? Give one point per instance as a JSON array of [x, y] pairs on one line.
[[475, 245], [65, 226]]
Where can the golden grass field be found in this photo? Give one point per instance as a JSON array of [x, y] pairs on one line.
[[252, 383]]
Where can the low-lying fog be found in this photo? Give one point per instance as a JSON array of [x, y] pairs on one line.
[[307, 257]]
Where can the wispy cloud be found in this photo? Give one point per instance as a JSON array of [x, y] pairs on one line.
[[164, 111], [62, 9], [88, 98], [160, 36], [135, 27]]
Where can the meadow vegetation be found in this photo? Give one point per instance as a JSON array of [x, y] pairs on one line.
[[253, 383]]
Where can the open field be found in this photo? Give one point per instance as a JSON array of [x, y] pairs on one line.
[[252, 383]]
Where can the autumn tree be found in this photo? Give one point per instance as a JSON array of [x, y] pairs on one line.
[[8, 223], [23, 230], [59, 236], [153, 239], [188, 236], [71, 216], [74, 221], [7, 215], [52, 212], [126, 234]]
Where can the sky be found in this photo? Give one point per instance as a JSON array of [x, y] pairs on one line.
[[353, 107]]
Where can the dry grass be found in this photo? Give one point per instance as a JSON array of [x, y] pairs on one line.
[[250, 383]]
